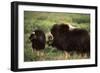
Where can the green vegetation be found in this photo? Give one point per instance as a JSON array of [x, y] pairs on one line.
[[45, 21]]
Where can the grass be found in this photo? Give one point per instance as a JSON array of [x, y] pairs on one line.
[[45, 21]]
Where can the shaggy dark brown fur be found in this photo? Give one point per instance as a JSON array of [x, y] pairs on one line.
[[38, 39], [64, 39]]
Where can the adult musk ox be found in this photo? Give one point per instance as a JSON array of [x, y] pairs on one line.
[[38, 40], [70, 40]]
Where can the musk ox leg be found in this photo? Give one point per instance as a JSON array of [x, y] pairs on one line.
[[40, 53], [34, 51], [66, 55], [86, 55]]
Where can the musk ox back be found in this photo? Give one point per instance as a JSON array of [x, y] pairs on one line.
[[70, 40], [38, 40]]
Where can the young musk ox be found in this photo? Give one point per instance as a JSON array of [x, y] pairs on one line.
[[71, 40], [38, 40]]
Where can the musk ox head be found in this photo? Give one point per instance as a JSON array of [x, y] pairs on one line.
[[37, 35], [32, 36]]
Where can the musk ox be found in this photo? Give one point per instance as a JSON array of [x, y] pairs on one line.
[[70, 40], [38, 40]]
